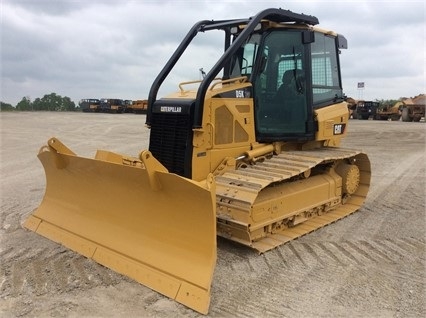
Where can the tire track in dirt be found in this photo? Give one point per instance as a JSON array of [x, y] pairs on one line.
[[302, 263], [323, 254], [396, 179], [50, 272], [43, 272], [9, 221], [12, 211]]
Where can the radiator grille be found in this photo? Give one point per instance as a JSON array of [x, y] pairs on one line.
[[171, 141]]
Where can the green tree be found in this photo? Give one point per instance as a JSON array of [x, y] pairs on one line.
[[54, 102], [68, 104], [49, 102], [24, 104], [6, 107], [37, 104]]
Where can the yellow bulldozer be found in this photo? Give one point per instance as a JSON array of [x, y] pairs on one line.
[[251, 154]]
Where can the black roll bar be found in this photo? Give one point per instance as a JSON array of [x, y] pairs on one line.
[[275, 15]]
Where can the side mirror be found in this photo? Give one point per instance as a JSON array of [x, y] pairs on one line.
[[342, 43], [308, 37]]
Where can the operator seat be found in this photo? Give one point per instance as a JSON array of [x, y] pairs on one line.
[[292, 85], [291, 100]]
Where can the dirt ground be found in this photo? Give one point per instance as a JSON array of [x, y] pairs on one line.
[[370, 264]]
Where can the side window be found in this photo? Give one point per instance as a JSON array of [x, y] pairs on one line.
[[325, 71], [248, 59], [244, 59], [262, 81]]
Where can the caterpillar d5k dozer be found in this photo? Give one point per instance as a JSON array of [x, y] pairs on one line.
[[251, 155]]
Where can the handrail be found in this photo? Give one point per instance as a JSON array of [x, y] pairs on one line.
[[241, 79]]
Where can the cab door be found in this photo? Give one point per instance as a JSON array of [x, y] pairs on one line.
[[281, 87]]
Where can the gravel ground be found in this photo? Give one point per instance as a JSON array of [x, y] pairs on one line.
[[370, 264]]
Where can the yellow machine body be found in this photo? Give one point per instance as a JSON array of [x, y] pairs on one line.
[[221, 161], [281, 190]]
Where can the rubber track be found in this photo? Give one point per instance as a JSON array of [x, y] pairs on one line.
[[239, 189]]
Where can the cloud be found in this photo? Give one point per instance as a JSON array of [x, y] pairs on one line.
[[85, 49], [49, 7]]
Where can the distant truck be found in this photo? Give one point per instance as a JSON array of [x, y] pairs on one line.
[[110, 105], [128, 106], [140, 106], [413, 112], [366, 109], [392, 113], [89, 105]]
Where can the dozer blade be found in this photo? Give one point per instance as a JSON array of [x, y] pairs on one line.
[[133, 217]]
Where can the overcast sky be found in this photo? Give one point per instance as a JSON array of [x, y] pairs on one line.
[[115, 48]]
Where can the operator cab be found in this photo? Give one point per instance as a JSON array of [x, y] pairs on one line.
[[293, 71], [291, 68]]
